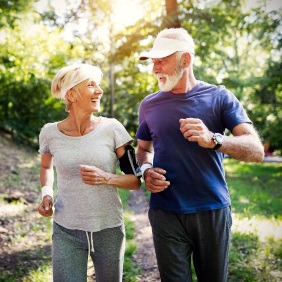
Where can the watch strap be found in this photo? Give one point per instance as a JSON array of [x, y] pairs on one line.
[[217, 143], [217, 146]]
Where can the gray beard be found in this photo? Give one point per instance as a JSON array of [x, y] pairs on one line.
[[172, 80]]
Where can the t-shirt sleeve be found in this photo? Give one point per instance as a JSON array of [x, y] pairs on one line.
[[121, 136], [43, 141], [143, 132], [233, 112]]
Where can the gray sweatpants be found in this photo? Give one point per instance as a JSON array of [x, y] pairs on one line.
[[203, 237], [70, 254]]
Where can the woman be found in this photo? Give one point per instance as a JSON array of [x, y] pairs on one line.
[[84, 149]]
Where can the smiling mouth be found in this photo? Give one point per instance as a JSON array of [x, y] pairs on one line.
[[162, 79]]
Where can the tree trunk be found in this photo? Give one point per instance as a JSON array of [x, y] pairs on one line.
[[112, 88], [171, 19]]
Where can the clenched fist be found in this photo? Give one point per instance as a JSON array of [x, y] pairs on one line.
[[46, 206]]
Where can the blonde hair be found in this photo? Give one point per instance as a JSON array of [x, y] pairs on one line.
[[71, 75]]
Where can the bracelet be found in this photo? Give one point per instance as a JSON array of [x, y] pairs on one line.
[[144, 167], [46, 191]]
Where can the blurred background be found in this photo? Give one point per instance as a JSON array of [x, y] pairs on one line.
[[238, 44]]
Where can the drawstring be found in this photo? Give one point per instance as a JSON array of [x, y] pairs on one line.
[[89, 242], [92, 249]]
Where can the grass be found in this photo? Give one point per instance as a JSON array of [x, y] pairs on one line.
[[255, 189], [256, 245]]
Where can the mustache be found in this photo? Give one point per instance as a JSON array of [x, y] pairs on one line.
[[159, 75]]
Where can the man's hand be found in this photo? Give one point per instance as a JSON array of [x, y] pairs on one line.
[[45, 207], [194, 130], [155, 180]]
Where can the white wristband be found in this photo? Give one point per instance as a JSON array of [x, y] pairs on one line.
[[46, 191], [144, 167]]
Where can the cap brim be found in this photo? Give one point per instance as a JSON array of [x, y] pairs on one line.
[[155, 54]]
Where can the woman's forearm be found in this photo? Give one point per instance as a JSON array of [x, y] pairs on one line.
[[93, 175], [47, 176], [127, 181]]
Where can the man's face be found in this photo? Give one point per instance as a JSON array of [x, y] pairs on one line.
[[168, 71]]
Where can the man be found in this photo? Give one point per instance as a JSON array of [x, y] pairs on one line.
[[181, 146]]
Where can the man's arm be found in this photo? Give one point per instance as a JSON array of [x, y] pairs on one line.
[[145, 152], [154, 177], [244, 145]]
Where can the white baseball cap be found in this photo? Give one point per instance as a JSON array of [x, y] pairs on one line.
[[164, 47]]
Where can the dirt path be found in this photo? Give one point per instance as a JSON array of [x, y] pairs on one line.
[[144, 257]]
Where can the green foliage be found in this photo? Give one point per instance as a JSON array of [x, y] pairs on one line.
[[10, 10], [27, 63], [129, 269], [267, 112], [40, 274], [242, 250], [253, 260], [235, 46]]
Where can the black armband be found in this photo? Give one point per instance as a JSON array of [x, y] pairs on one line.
[[128, 163]]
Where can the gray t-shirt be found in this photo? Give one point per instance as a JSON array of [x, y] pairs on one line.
[[78, 205]]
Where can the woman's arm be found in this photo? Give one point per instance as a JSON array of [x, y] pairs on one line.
[[92, 175], [46, 180], [47, 172]]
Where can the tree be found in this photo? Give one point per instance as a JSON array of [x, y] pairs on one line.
[[27, 63], [171, 18], [235, 46], [267, 112]]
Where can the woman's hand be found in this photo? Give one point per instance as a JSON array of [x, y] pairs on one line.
[[93, 175], [46, 206]]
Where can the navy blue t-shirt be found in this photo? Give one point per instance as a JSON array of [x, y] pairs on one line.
[[196, 174]]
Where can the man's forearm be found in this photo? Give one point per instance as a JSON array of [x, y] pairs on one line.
[[144, 156], [246, 147]]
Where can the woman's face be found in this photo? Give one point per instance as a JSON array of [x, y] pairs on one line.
[[89, 96]]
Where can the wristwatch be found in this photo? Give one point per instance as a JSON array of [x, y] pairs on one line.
[[218, 140]]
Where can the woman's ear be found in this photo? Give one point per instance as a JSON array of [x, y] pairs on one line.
[[71, 96]]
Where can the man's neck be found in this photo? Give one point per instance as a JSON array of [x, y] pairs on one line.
[[185, 84]]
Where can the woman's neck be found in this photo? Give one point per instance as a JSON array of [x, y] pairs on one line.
[[78, 125]]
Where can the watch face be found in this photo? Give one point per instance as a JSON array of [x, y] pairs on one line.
[[218, 138]]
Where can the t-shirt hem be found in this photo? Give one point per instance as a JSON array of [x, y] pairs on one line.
[[192, 210], [89, 229]]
